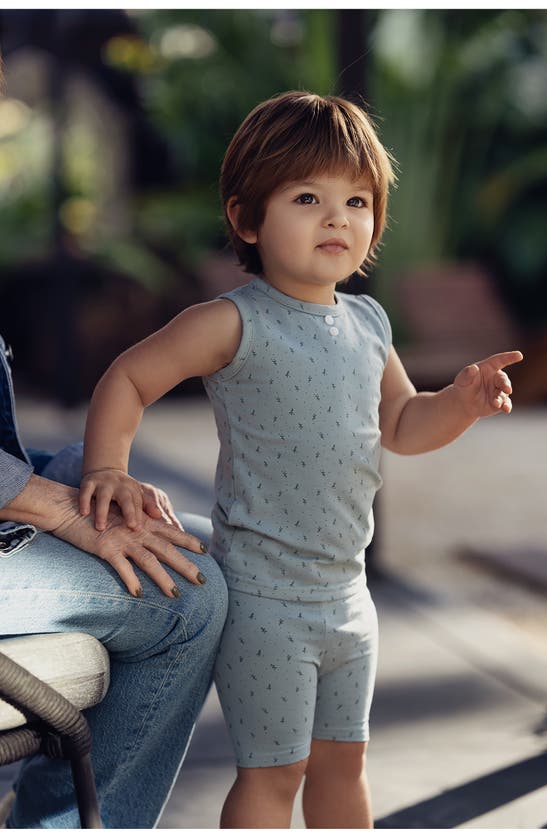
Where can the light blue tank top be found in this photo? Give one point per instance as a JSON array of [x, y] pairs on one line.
[[297, 419]]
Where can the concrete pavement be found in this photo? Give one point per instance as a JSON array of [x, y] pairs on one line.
[[459, 722], [458, 739]]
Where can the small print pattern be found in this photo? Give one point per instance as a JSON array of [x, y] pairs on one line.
[[287, 672], [297, 419]]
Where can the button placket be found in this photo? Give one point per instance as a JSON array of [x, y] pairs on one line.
[[329, 320]]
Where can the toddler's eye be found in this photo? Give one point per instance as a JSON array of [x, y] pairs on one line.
[[357, 202], [306, 198]]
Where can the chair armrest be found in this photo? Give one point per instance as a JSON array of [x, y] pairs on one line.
[[73, 663]]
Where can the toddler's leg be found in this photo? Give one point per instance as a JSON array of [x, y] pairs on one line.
[[266, 677], [263, 798], [336, 793]]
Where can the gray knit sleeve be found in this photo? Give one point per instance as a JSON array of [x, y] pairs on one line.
[[14, 476]]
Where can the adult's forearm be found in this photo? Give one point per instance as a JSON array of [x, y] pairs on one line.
[[114, 415], [431, 420], [43, 503]]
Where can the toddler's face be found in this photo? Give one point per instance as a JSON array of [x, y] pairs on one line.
[[315, 233]]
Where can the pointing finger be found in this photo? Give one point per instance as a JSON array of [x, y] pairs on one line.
[[503, 359]]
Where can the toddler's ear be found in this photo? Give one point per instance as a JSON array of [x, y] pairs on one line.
[[232, 211]]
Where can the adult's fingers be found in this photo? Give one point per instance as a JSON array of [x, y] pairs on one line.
[[170, 556], [169, 512], [125, 571], [150, 551], [156, 504], [147, 560], [159, 507], [123, 559], [179, 537], [170, 518]]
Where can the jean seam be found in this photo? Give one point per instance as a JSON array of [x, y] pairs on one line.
[[128, 600], [131, 750]]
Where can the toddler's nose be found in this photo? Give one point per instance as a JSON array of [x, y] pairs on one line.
[[336, 220]]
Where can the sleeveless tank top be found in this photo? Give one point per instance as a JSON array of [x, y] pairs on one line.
[[297, 418]]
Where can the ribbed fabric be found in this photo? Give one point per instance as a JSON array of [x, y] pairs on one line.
[[297, 418]]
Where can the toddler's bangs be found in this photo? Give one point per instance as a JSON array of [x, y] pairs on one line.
[[328, 140]]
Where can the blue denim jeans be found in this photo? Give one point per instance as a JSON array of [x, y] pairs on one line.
[[161, 652]]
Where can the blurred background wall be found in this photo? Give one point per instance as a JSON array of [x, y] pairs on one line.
[[113, 125]]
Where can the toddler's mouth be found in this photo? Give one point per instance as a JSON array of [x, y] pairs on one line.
[[333, 246]]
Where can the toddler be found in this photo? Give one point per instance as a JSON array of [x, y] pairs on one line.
[[306, 386]]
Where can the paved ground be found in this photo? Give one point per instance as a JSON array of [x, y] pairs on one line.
[[459, 724]]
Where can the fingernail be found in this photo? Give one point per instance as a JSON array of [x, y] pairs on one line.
[[139, 593], [175, 591], [203, 547], [201, 578]]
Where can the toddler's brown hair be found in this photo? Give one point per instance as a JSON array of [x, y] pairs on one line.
[[291, 137]]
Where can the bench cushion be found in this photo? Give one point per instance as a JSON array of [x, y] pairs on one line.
[[73, 663]]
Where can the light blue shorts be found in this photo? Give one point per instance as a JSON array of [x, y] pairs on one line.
[[287, 672]]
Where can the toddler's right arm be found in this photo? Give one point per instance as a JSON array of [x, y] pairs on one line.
[[197, 342]]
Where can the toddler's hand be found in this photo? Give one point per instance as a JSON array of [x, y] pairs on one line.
[[106, 485], [156, 503], [484, 388]]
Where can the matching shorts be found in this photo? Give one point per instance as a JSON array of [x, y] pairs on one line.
[[287, 672]]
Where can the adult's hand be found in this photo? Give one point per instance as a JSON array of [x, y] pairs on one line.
[[150, 548], [54, 507]]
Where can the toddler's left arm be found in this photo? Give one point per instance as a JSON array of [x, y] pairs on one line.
[[413, 423]]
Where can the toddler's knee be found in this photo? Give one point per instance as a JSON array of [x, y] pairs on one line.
[[347, 759], [283, 781], [290, 776]]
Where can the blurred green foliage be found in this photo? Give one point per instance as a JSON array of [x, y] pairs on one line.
[[459, 99], [25, 201], [463, 102], [198, 73], [209, 69]]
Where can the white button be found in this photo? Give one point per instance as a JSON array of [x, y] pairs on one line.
[[333, 331], [329, 319]]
